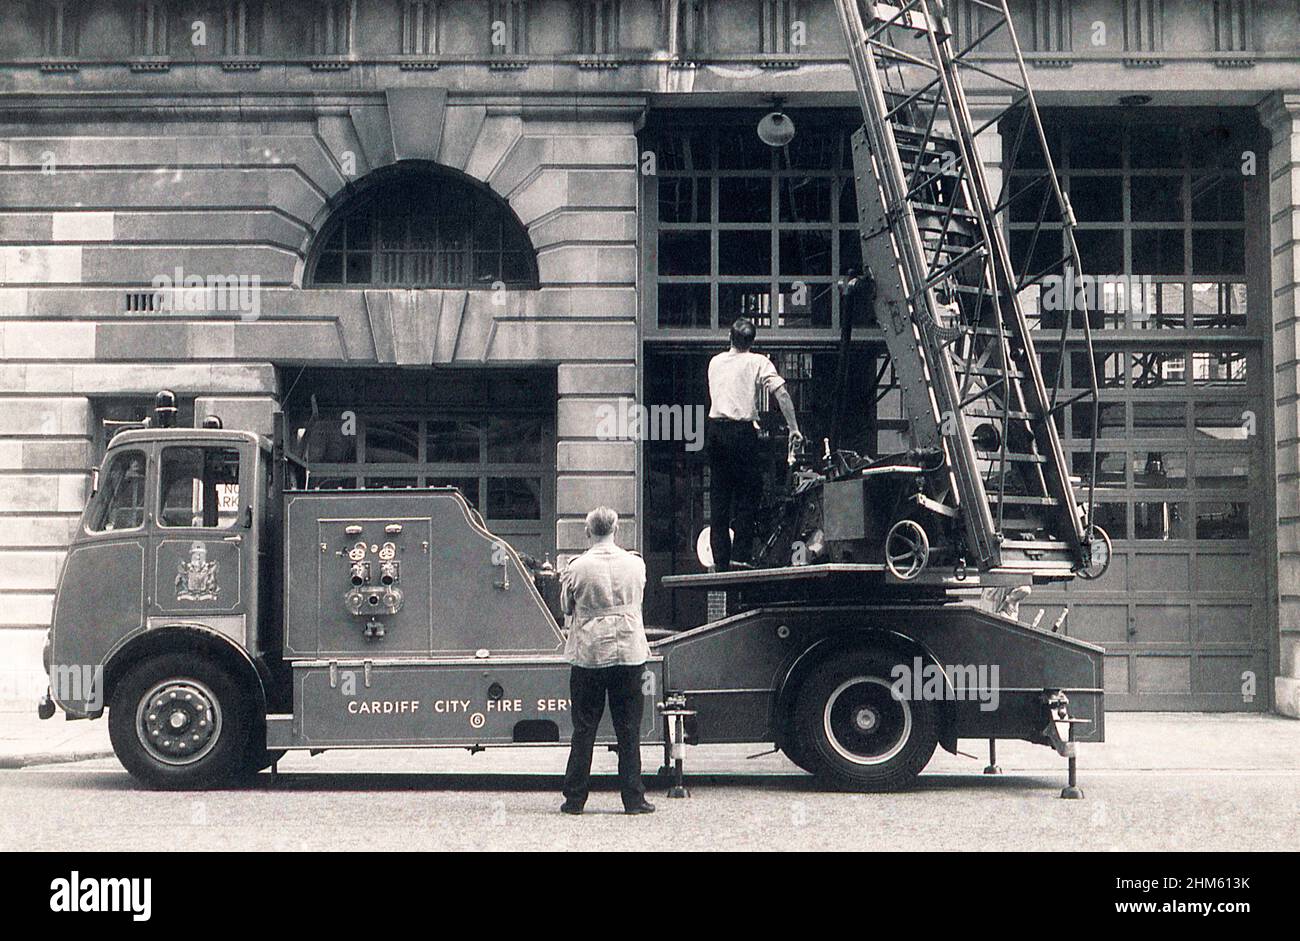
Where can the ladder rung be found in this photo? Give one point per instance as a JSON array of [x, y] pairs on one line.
[[1031, 544], [1011, 456], [993, 371], [920, 132], [938, 210], [929, 170], [997, 413], [1015, 500]]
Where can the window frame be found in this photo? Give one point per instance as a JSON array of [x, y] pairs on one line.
[[367, 198], [776, 226], [244, 479], [95, 501]]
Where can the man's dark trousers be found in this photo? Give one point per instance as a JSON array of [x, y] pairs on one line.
[[735, 482], [588, 688]]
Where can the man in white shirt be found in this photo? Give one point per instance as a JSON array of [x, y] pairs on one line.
[[736, 379], [601, 592]]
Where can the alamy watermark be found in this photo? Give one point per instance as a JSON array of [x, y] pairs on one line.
[[1112, 294], [215, 293], [628, 420], [929, 682]]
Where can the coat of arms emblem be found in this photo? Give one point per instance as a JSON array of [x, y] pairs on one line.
[[196, 580]]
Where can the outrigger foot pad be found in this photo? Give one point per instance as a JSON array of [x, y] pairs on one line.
[[1070, 792], [992, 767]]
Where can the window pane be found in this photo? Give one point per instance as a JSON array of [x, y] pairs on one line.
[[805, 199], [848, 200], [199, 487], [1155, 369], [1223, 521], [744, 199], [850, 252], [684, 199], [684, 253], [1112, 517], [1226, 368], [514, 440], [1109, 366], [1048, 250], [1160, 470], [812, 149], [388, 442], [514, 498], [1161, 307], [686, 150], [1159, 419], [1158, 251], [744, 300], [453, 442], [1156, 198], [1223, 421], [1153, 145], [1219, 251], [1096, 147], [358, 268], [1217, 304], [806, 252], [1223, 471], [1101, 250], [1218, 198], [804, 304], [740, 149], [741, 252], [119, 502], [1111, 420], [1096, 198], [1160, 521], [1110, 468], [684, 305], [329, 269]]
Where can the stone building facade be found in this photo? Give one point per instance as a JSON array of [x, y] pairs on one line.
[[437, 220]]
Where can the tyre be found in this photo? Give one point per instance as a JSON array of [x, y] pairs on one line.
[[854, 733], [178, 723]]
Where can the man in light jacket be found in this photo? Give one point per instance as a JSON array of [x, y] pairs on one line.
[[601, 593]]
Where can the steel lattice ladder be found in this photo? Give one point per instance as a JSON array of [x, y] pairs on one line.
[[946, 293]]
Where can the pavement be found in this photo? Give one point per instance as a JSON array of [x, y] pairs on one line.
[[1161, 782]]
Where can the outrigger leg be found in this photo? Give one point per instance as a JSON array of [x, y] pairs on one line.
[[1060, 729], [674, 710], [993, 758]]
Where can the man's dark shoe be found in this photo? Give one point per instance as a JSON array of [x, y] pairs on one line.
[[645, 807], [567, 808]]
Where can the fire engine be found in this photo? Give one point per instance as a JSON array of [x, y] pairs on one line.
[[224, 610]]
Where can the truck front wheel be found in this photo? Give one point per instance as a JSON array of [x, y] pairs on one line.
[[178, 723], [853, 730]]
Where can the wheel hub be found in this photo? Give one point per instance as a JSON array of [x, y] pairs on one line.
[[865, 723], [865, 719], [178, 721]]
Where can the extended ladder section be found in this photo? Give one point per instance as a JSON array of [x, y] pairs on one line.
[[947, 294]]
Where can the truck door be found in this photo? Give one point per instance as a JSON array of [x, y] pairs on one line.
[[203, 542], [100, 596]]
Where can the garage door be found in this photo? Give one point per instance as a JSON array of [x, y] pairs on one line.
[[1182, 482], [490, 433]]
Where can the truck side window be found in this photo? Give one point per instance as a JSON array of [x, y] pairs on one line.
[[119, 503], [199, 487]]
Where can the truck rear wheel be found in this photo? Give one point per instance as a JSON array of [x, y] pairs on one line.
[[178, 724], [855, 733]]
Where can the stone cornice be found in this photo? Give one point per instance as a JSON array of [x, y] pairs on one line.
[[1279, 112]]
